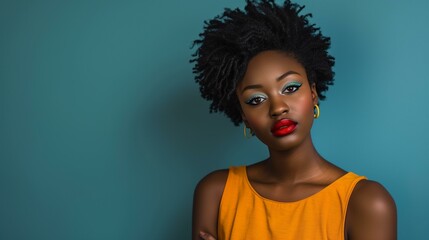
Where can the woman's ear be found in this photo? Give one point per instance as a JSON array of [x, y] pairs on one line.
[[314, 94], [246, 123], [243, 117]]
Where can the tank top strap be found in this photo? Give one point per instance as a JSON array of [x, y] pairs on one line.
[[347, 183], [237, 173], [235, 182], [345, 186], [235, 191]]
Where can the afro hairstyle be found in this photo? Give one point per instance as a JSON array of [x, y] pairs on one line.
[[231, 39]]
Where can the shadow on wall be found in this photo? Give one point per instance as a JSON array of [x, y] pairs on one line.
[[179, 142], [183, 129]]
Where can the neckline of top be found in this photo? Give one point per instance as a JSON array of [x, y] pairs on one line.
[[244, 169]]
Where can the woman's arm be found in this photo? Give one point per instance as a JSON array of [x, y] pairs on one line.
[[371, 214], [207, 196]]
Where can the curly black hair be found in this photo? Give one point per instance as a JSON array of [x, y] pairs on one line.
[[230, 40]]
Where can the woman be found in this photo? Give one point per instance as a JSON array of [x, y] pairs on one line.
[[267, 67]]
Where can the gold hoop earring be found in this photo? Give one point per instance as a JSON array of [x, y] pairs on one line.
[[247, 136], [317, 111]]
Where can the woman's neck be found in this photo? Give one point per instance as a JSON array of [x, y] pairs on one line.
[[297, 164]]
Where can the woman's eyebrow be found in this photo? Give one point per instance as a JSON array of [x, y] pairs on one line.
[[251, 87], [286, 74]]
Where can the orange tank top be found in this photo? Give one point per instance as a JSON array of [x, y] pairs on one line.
[[245, 215]]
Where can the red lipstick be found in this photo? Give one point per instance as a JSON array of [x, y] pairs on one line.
[[283, 127]]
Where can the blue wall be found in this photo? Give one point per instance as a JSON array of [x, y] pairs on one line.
[[103, 134]]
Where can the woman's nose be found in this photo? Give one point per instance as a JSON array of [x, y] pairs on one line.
[[278, 106]]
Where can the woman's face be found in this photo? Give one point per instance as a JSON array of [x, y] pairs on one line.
[[277, 100]]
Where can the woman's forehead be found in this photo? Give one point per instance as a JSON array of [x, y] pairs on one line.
[[271, 65]]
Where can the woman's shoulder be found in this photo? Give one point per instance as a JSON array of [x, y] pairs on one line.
[[207, 196], [371, 195], [213, 182], [210, 188], [371, 211]]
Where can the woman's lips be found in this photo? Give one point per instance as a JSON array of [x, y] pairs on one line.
[[283, 127]]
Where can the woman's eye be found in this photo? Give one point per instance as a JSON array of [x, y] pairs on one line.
[[255, 100], [291, 87]]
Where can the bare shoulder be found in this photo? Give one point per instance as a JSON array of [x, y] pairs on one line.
[[371, 212], [213, 183], [207, 196], [371, 196]]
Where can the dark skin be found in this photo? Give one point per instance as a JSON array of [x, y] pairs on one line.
[[294, 170]]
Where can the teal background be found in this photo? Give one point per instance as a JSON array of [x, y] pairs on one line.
[[103, 134]]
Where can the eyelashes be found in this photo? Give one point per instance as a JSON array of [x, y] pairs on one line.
[[259, 98], [256, 99], [291, 87]]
